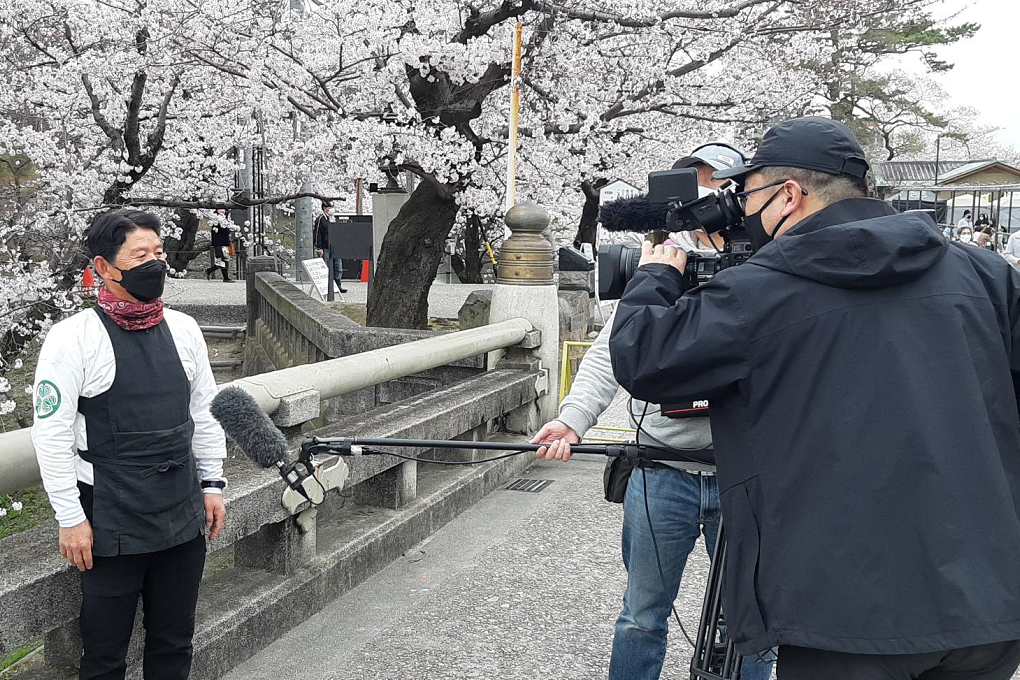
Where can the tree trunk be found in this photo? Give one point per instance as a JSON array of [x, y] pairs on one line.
[[587, 228], [181, 251], [457, 262], [409, 258], [472, 258]]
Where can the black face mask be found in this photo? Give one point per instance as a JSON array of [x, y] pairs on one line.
[[145, 281], [756, 230]]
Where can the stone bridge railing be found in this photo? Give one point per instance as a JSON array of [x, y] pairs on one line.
[[287, 328]]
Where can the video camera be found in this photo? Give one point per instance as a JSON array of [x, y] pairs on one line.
[[672, 204]]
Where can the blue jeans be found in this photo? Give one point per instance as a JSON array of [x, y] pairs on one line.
[[681, 506], [338, 266]]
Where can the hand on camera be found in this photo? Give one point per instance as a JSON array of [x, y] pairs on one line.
[[559, 437], [671, 255]]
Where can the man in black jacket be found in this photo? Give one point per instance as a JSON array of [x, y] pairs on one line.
[[862, 374], [220, 248], [331, 254]]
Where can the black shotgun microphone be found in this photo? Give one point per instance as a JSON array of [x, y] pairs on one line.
[[634, 214], [259, 439]]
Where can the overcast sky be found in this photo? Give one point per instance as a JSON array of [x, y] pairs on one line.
[[987, 66]]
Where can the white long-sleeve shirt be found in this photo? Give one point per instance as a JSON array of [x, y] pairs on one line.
[[77, 360], [1012, 250]]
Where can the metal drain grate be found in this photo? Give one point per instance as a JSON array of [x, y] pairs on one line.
[[529, 485]]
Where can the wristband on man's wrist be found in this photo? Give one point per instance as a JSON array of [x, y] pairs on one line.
[[214, 484]]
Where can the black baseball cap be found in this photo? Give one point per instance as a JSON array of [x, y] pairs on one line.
[[811, 143]]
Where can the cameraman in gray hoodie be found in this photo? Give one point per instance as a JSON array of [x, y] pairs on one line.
[[666, 505]]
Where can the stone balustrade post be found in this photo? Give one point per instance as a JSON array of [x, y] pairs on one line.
[[525, 289], [280, 548], [260, 263]]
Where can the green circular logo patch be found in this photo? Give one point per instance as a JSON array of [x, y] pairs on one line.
[[47, 399]]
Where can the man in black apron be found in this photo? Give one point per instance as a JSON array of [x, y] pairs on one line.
[[129, 455]]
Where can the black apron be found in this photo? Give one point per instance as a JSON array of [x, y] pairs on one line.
[[146, 492]]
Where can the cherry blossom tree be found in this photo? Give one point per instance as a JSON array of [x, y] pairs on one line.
[[105, 105], [149, 102]]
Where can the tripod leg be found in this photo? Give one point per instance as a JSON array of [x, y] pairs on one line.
[[715, 657]]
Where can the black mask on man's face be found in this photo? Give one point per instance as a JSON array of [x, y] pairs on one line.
[[145, 281], [756, 230]]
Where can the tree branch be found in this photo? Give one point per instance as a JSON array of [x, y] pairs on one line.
[[442, 188], [478, 23], [608, 17], [131, 136], [38, 47], [115, 136], [330, 100], [199, 204], [154, 142]]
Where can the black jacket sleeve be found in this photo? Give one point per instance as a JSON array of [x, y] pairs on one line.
[[321, 233], [667, 348], [1013, 309]]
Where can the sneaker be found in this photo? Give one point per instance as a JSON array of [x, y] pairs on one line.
[[229, 280]]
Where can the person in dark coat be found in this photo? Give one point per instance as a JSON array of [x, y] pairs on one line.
[[220, 249], [323, 248], [863, 375]]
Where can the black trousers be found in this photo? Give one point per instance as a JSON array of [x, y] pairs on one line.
[[167, 582], [985, 662], [220, 254]]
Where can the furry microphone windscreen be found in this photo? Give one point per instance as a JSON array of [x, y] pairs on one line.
[[248, 425], [634, 214]]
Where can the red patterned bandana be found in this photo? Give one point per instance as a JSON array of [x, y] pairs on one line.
[[131, 316]]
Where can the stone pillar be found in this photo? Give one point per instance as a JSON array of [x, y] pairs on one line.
[[386, 203], [280, 548], [62, 648], [525, 289], [303, 225], [262, 263], [479, 433], [392, 488]]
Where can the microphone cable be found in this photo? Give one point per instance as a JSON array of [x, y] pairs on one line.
[[767, 656], [651, 529]]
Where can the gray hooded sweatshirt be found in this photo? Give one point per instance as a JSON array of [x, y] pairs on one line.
[[594, 388]]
